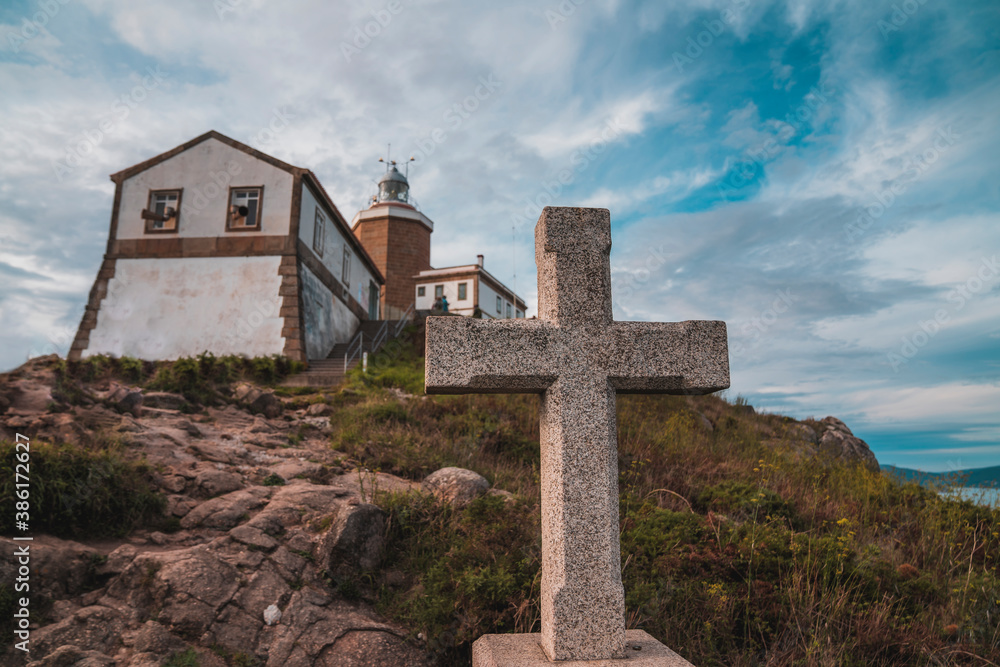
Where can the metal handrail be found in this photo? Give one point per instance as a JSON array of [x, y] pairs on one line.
[[383, 331], [403, 321], [381, 335], [348, 355]]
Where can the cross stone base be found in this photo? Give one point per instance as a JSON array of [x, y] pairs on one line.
[[526, 651]]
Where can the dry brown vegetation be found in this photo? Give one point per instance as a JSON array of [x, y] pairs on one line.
[[739, 545]]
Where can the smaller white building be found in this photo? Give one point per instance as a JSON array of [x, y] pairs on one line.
[[470, 290]]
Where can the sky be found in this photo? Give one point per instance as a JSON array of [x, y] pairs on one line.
[[820, 175]]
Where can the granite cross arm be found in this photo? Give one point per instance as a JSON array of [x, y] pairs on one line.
[[578, 358]]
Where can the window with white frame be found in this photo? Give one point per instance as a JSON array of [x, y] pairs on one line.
[[163, 211], [244, 208], [499, 306], [438, 291], [319, 232], [345, 273]]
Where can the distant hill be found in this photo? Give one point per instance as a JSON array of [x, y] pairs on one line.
[[975, 477]]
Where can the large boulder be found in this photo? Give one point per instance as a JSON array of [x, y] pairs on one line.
[[125, 399], [457, 486], [837, 442], [214, 483], [29, 388], [62, 567], [319, 410], [258, 401], [356, 540]]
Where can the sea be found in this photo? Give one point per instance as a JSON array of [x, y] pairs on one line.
[[990, 497]]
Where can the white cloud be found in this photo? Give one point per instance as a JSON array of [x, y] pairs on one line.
[[560, 86], [613, 121]]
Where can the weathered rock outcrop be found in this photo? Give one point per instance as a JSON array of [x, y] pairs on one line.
[[246, 570], [839, 443], [829, 440]]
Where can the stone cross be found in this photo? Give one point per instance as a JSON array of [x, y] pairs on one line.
[[578, 358]]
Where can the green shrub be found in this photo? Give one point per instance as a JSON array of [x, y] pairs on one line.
[[80, 492], [472, 570], [131, 369], [386, 412], [744, 501], [274, 479], [185, 658]]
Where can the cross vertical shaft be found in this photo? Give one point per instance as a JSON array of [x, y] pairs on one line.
[[578, 358], [582, 599]]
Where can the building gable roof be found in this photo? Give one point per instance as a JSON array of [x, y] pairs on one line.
[[304, 174], [124, 174]]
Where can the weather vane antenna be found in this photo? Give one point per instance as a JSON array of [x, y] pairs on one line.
[[390, 163]]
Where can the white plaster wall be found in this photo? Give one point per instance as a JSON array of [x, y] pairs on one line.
[[327, 320], [206, 172], [488, 301], [464, 307], [171, 308], [333, 248]]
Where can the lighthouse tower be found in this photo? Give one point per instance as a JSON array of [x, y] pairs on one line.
[[397, 237]]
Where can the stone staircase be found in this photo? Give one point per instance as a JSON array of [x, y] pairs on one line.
[[330, 372]]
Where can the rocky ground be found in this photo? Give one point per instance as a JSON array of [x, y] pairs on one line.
[[270, 531], [243, 577]]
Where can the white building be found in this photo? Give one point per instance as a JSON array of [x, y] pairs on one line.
[[470, 290], [215, 246]]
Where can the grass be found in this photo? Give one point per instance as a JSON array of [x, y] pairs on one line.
[[469, 568], [78, 492], [185, 658], [735, 550], [202, 380]]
